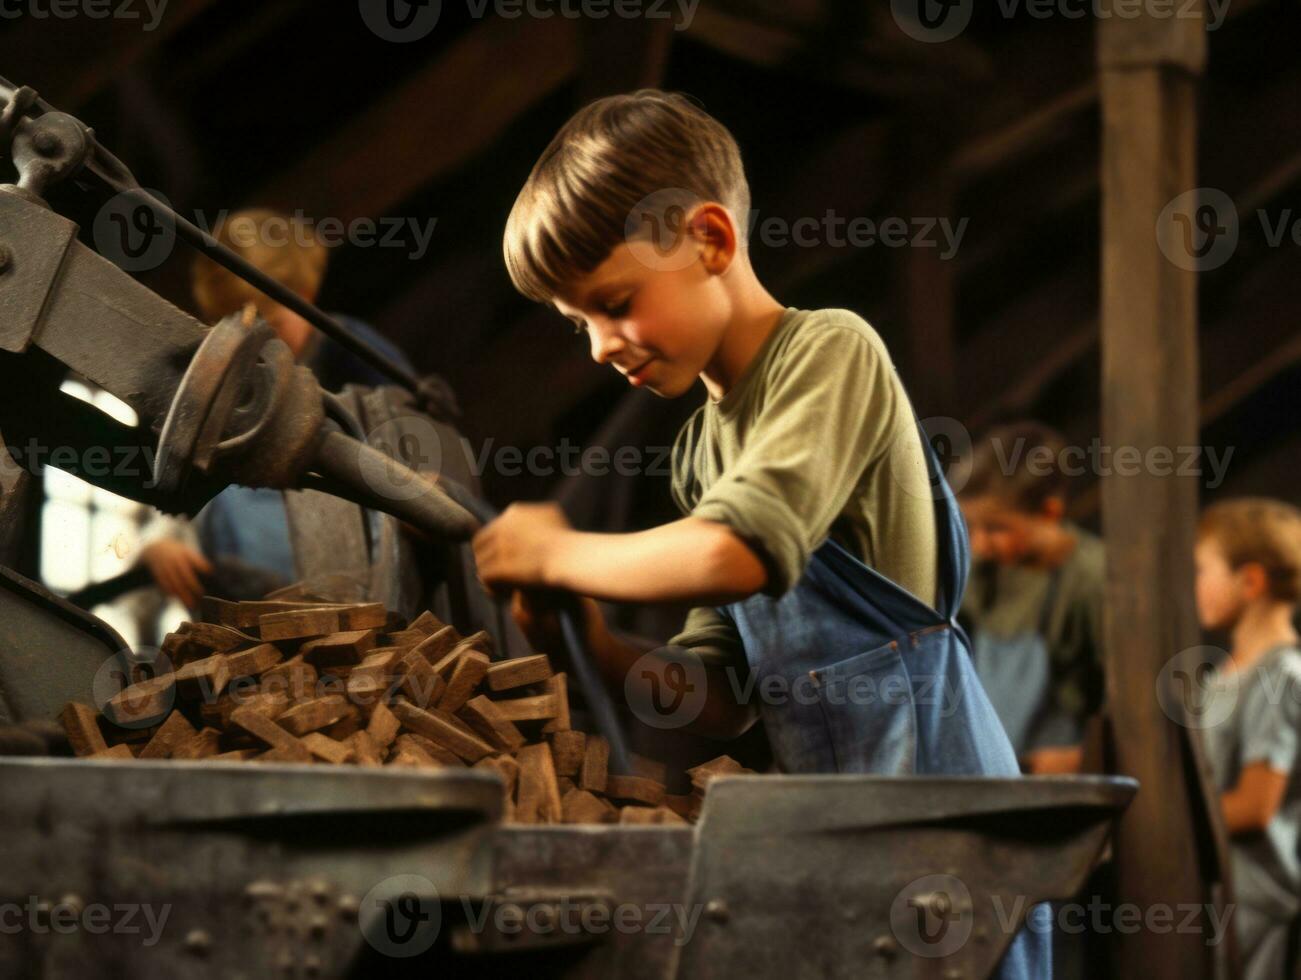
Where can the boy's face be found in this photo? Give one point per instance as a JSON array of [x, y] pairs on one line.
[[1219, 587], [659, 323], [1001, 533]]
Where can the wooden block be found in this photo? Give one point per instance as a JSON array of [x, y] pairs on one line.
[[444, 729], [146, 702], [537, 783], [647, 815], [469, 670], [253, 661], [293, 677], [327, 749], [363, 616], [558, 687], [421, 685], [634, 788], [438, 644], [285, 755], [246, 615], [681, 805], [338, 649], [596, 764], [203, 680], [268, 732], [269, 704], [485, 718], [566, 783], [406, 638], [427, 623], [81, 724], [368, 692], [568, 750], [383, 726], [313, 715], [506, 675], [171, 733], [217, 639], [648, 768], [504, 766], [581, 806], [203, 744], [299, 623], [353, 720], [364, 750], [537, 708], [435, 753], [235, 755], [116, 752], [722, 766]]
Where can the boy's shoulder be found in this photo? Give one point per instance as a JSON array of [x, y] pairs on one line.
[[828, 325]]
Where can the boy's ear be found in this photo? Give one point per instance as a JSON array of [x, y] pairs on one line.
[[711, 225], [1255, 580]]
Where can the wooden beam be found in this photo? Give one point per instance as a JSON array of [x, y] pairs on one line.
[[1148, 72], [429, 125]]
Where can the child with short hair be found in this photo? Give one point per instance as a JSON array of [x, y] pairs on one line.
[[1248, 562], [1035, 598], [820, 543]]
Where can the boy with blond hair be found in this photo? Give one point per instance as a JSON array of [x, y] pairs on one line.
[[821, 547], [1248, 562]]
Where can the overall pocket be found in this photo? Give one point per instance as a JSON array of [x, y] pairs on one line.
[[867, 705]]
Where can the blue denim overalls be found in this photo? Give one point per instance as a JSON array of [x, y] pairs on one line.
[[856, 675]]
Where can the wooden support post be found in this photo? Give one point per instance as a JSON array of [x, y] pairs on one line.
[[1148, 69]]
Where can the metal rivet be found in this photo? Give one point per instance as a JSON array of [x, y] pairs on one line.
[[47, 144], [885, 946], [198, 942], [718, 911], [6, 257], [349, 906]]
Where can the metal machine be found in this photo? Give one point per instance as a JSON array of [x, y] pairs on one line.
[[281, 870]]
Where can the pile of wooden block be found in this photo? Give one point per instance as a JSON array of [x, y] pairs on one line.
[[293, 681]]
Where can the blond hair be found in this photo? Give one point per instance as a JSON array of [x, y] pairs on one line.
[[605, 162], [1262, 531], [1018, 484], [293, 257]]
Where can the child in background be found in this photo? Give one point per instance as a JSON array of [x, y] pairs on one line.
[[249, 523], [1035, 598], [1248, 561]]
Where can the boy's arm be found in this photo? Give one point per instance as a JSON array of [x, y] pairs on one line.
[[690, 559], [1252, 803]]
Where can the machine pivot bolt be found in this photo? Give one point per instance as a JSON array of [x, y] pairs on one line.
[[47, 144]]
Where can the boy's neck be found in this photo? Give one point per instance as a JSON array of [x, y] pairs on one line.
[[755, 317], [1264, 626]]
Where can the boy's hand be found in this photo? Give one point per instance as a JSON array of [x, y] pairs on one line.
[[517, 548], [176, 568], [534, 612]]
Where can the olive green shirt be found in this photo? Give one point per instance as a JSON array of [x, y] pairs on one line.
[[817, 439]]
